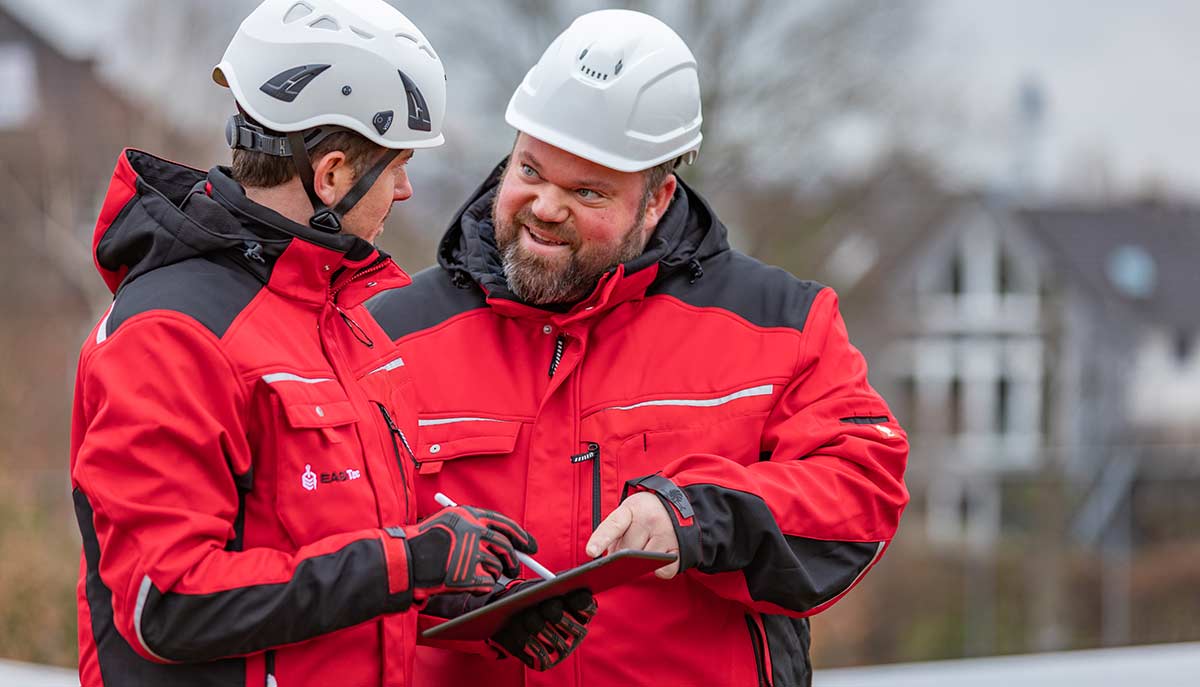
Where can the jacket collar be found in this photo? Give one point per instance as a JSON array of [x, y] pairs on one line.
[[159, 213]]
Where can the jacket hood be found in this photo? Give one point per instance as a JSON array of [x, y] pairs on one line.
[[157, 213], [688, 233]]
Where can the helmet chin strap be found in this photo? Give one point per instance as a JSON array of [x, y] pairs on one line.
[[325, 218]]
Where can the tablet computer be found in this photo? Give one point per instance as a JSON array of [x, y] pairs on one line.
[[598, 575]]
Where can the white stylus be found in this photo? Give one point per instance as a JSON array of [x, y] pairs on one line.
[[533, 565]]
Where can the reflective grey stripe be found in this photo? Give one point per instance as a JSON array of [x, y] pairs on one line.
[[143, 592], [452, 420], [764, 390], [289, 377], [102, 330], [398, 362]]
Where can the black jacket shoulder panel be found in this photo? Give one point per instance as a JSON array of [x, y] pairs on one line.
[[206, 289], [761, 294], [431, 299]]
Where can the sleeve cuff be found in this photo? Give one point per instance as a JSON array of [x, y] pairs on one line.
[[399, 574], [683, 517]]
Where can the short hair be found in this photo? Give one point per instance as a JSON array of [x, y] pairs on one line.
[[259, 170], [655, 176]]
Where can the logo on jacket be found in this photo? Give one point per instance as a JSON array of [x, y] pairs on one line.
[[885, 431], [340, 476], [309, 478]]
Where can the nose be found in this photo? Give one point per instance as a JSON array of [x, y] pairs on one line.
[[403, 189], [548, 206]]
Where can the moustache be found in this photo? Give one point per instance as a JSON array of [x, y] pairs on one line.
[[561, 231]]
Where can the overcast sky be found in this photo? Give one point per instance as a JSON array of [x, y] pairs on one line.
[[1117, 78]]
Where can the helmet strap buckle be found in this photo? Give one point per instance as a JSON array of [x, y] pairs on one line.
[[326, 220], [241, 134]]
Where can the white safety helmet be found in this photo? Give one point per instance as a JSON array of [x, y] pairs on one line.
[[619, 88], [358, 64], [309, 68]]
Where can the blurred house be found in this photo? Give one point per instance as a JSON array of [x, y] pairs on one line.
[[1012, 340], [61, 128]]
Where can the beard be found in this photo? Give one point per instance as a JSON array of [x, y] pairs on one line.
[[542, 280]]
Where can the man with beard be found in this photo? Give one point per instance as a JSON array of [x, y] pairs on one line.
[[592, 357]]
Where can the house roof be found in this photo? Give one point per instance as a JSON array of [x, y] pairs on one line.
[[1146, 257]]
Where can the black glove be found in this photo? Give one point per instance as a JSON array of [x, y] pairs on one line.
[[543, 635], [463, 549]]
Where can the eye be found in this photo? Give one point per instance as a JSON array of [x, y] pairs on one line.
[[528, 171], [587, 194]]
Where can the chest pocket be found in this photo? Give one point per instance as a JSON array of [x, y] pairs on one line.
[[321, 485], [466, 457], [641, 437], [445, 439]]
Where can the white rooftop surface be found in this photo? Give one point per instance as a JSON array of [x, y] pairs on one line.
[[1164, 665], [13, 674]]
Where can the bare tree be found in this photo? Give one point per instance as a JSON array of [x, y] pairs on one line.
[[776, 77]]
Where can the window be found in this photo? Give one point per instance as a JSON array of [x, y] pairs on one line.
[[1003, 392], [1184, 342], [957, 273], [956, 411], [18, 83], [1004, 272]]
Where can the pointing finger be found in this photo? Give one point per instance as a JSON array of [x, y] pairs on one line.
[[609, 531]]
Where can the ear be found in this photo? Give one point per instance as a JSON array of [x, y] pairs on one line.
[[657, 206], [332, 176]]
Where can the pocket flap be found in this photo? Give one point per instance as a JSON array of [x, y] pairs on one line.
[[311, 402], [455, 437]]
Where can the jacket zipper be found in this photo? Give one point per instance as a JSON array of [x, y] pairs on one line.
[[593, 455], [359, 333], [393, 432], [595, 495], [269, 659], [560, 345], [369, 269], [756, 641]]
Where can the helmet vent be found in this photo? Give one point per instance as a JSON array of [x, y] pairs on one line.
[[327, 23], [361, 34], [422, 46], [593, 73], [600, 61], [286, 85], [297, 12], [418, 110]]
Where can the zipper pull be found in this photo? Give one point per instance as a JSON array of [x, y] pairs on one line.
[[592, 453], [358, 331], [560, 345], [387, 417]]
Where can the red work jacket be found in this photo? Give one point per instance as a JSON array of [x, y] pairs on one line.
[[730, 384], [235, 451]]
